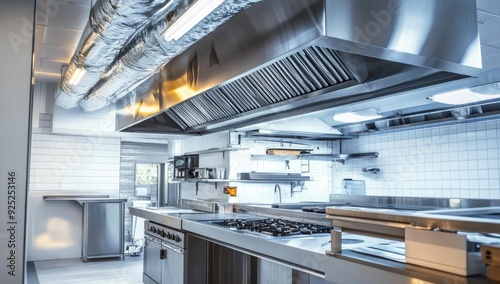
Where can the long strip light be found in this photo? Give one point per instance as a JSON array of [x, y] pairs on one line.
[[197, 12], [77, 76], [469, 96], [357, 116]]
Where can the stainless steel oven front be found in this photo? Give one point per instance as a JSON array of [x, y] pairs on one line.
[[164, 253]]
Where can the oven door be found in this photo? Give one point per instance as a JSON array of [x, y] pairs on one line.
[[152, 261], [172, 264]]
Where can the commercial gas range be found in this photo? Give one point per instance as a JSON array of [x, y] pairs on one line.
[[163, 254], [274, 227]]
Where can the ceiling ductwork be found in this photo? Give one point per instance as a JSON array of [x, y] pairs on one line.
[[273, 61], [112, 23], [149, 51], [124, 44]]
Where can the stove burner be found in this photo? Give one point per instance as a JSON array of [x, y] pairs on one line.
[[275, 227]]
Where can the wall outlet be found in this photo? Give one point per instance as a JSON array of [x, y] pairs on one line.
[[353, 187]]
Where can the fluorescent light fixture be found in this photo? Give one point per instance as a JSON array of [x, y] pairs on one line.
[[469, 96], [357, 116], [197, 12], [77, 76]]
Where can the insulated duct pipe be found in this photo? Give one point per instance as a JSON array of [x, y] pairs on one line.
[[112, 23], [149, 51]]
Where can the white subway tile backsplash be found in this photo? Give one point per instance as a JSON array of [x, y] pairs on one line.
[[459, 160]]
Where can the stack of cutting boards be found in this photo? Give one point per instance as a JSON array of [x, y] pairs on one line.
[[491, 257]]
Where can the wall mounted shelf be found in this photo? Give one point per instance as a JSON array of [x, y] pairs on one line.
[[215, 150], [198, 180], [320, 157]]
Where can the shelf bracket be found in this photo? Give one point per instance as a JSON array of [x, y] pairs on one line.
[[294, 184]]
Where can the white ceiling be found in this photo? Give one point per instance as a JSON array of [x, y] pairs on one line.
[[59, 25]]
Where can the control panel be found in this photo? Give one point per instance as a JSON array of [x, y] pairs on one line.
[[166, 234]]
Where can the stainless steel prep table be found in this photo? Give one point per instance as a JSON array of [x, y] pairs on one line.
[[304, 254], [103, 224]]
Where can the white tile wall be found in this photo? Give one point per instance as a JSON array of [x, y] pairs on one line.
[[62, 164], [316, 190], [211, 160], [460, 160], [241, 161]]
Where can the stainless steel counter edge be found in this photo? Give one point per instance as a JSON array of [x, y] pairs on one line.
[[450, 219], [156, 216]]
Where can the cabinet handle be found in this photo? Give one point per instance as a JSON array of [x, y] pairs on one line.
[[173, 248], [163, 254]]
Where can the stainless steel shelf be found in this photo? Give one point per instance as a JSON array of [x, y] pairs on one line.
[[215, 150], [242, 180], [199, 180], [270, 180], [321, 157]]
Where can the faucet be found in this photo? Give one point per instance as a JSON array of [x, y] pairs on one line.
[[277, 187]]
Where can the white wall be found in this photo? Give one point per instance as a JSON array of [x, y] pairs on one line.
[[211, 160], [318, 189], [62, 165], [460, 160]]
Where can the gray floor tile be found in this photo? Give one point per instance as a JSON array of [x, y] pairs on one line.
[[74, 271]]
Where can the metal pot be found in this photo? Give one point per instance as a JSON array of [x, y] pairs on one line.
[[203, 173], [220, 173]]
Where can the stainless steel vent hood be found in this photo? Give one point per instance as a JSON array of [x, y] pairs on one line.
[[279, 59]]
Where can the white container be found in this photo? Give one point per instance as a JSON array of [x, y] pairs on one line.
[[444, 251]]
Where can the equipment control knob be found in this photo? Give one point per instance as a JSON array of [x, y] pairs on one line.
[[153, 229], [169, 236], [177, 238], [162, 233]]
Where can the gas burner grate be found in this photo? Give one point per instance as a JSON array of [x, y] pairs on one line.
[[274, 227]]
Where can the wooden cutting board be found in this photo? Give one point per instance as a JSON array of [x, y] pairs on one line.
[[289, 152]]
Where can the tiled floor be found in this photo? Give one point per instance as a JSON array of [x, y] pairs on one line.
[[95, 271]]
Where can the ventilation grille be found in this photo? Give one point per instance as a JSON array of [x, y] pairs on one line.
[[306, 71]]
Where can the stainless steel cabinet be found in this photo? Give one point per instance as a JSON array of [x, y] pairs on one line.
[[103, 230], [172, 264], [103, 224], [152, 263]]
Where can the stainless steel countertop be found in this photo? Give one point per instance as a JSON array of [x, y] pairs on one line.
[[162, 215], [447, 219], [309, 254]]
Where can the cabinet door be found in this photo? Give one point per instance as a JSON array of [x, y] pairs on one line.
[[152, 261], [172, 265], [104, 231]]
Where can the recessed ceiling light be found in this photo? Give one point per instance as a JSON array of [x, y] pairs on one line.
[[469, 95], [357, 116]]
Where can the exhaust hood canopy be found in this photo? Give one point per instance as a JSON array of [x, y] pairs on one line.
[[273, 61]]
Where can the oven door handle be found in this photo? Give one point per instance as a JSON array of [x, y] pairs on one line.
[[174, 248], [163, 254]]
